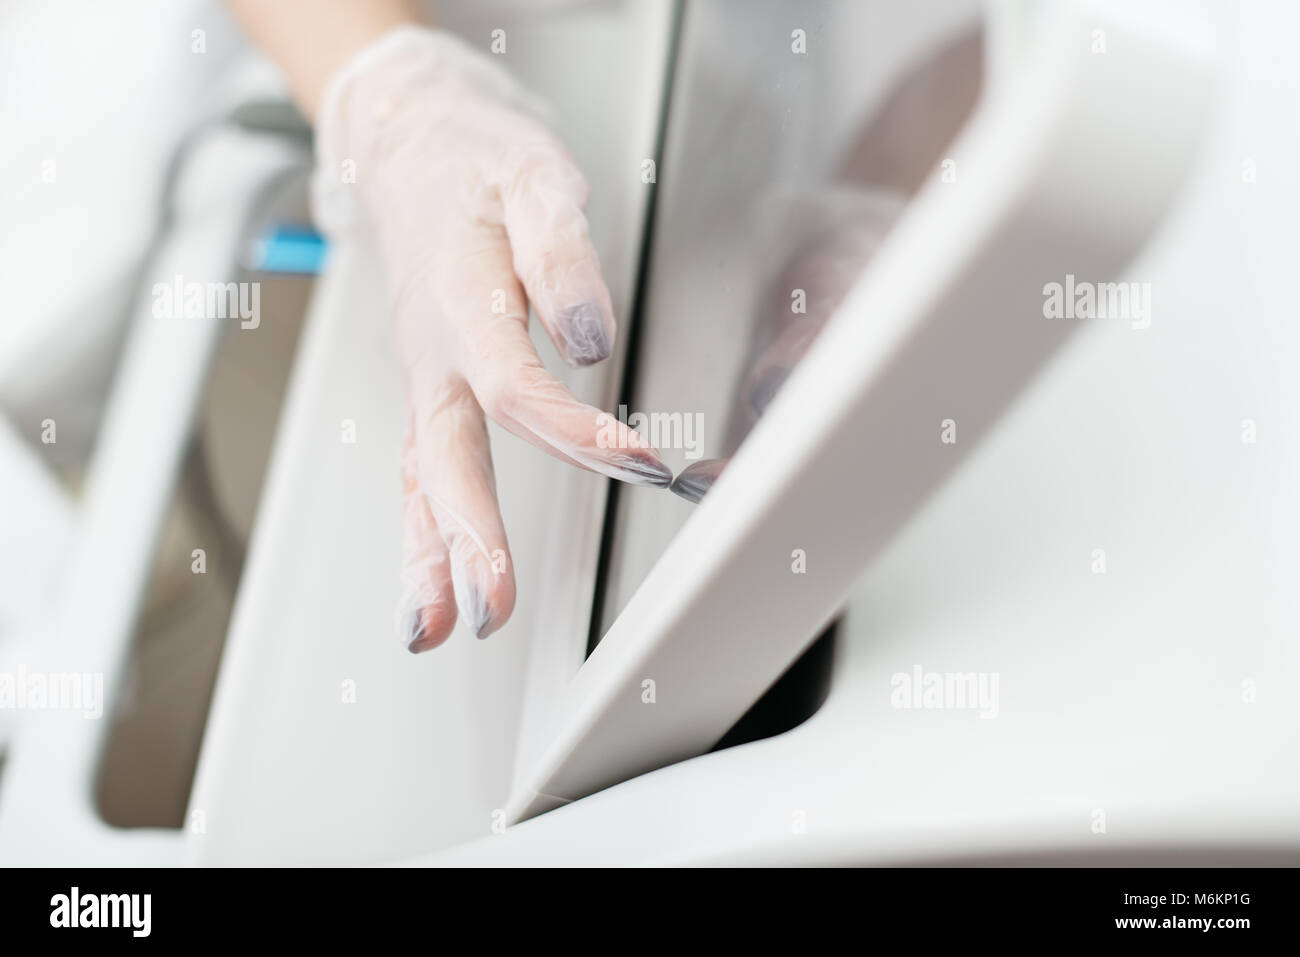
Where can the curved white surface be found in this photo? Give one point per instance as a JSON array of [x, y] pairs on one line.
[[1119, 693]]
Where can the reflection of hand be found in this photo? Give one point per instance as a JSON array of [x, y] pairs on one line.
[[824, 269], [694, 481], [474, 204]]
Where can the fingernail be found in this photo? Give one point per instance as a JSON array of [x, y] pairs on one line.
[[640, 471], [415, 633], [761, 396], [696, 480], [478, 614], [471, 596], [582, 327]]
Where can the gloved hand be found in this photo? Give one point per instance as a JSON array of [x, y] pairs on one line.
[[474, 203]]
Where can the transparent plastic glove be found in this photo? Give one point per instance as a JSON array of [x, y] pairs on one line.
[[478, 211]]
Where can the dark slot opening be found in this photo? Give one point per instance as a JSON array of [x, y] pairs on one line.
[[792, 700]]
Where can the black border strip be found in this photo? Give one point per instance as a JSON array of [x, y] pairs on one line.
[[627, 383]]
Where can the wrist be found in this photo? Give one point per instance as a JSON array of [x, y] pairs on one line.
[[337, 42], [410, 67]]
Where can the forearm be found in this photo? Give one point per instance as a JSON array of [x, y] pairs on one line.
[[312, 39]]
